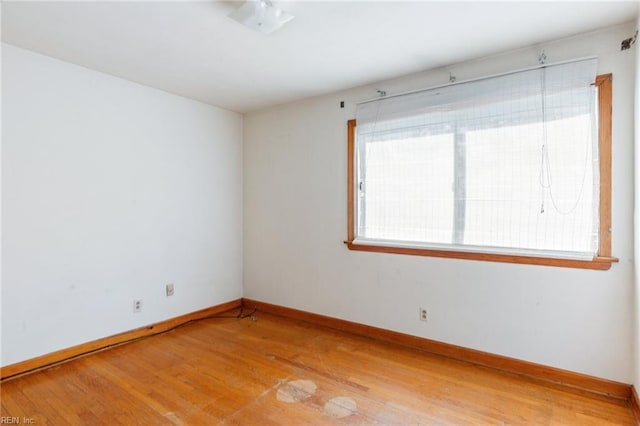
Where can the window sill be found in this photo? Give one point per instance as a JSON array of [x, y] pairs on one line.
[[600, 263]]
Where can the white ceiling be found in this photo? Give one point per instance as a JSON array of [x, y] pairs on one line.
[[193, 49]]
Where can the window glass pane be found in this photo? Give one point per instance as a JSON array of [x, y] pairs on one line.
[[408, 189], [518, 199]]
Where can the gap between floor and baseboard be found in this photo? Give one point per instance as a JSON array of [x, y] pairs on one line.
[[537, 372], [57, 357]]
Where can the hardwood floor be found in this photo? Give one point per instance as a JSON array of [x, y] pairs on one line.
[[278, 371]]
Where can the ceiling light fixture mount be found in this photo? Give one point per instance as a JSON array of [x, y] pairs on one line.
[[261, 15]]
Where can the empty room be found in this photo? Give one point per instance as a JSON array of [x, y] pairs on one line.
[[320, 212]]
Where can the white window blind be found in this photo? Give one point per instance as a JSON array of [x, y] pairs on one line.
[[506, 164]]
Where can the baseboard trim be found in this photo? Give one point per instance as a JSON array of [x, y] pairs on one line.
[[537, 372], [634, 404], [540, 373], [47, 360]]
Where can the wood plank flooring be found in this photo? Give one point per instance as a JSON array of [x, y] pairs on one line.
[[277, 371]]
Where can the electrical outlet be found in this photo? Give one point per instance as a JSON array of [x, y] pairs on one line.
[[423, 314], [137, 306], [169, 290]]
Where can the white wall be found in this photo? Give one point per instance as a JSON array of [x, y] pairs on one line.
[[295, 222], [110, 190]]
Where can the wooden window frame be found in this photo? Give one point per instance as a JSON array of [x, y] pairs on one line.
[[602, 261]]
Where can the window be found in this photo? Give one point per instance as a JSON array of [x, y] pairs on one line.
[[514, 168]]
